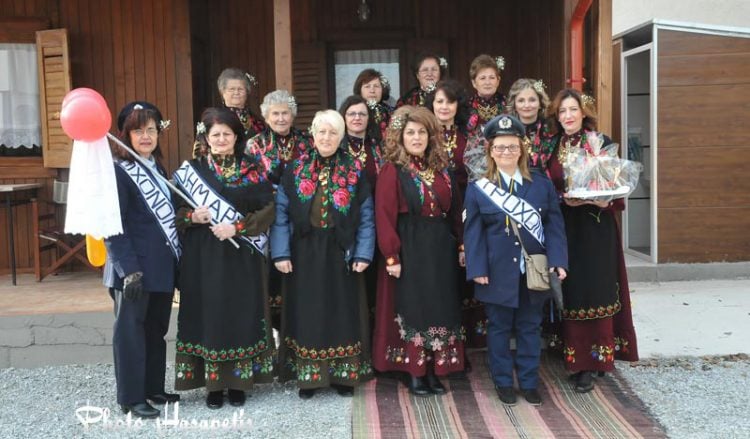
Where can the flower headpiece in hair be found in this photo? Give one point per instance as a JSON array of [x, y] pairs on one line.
[[538, 86], [251, 79], [200, 128], [291, 102], [500, 62], [164, 124], [397, 123], [588, 100], [384, 81], [443, 62]]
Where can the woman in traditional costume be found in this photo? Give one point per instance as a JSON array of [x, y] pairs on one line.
[[528, 101], [224, 339], [280, 142], [418, 217], [449, 103], [597, 320], [494, 256], [362, 141], [375, 89], [428, 68], [140, 270], [488, 101], [322, 240], [278, 145], [235, 86]]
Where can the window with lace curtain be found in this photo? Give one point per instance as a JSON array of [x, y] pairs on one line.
[[20, 127]]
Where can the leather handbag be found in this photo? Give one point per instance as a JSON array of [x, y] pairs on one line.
[[537, 269]]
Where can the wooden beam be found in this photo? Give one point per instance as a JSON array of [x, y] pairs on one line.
[[21, 29], [282, 44], [603, 88]]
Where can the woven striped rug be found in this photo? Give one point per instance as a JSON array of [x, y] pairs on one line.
[[383, 408]]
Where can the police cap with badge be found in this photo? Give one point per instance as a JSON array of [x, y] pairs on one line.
[[504, 125]]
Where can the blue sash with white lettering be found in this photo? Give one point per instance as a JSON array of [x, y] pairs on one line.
[[202, 194], [157, 201], [517, 208]]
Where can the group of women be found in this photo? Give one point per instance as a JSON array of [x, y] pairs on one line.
[[376, 241]]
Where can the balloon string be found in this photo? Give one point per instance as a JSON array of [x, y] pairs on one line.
[[174, 188]]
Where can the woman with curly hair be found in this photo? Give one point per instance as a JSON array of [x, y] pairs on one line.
[[419, 231]]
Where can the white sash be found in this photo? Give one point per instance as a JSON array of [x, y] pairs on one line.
[[158, 202], [517, 208], [202, 194]]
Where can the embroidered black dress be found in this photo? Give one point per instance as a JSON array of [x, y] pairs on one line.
[[276, 152], [324, 223], [597, 322], [224, 338], [418, 316]]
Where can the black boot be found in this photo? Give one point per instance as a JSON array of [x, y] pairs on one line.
[[417, 386], [585, 382], [432, 381]]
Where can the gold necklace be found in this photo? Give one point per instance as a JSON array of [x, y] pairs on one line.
[[450, 136], [361, 155], [564, 151], [225, 165], [486, 112], [284, 146]]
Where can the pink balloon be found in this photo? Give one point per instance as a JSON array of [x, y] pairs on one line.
[[81, 91], [86, 117]]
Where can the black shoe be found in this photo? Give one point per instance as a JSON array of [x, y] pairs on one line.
[[507, 395], [141, 410], [163, 398], [584, 383], [347, 391], [306, 393], [417, 386], [434, 384], [574, 376], [532, 396], [215, 399], [236, 397]]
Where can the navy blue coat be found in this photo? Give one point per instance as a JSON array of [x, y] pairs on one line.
[[493, 253], [142, 245]]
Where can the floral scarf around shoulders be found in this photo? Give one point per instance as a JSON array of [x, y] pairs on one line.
[[341, 170]]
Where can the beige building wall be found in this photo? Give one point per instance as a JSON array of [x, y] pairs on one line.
[[627, 14]]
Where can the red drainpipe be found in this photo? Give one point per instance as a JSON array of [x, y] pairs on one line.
[[576, 44]]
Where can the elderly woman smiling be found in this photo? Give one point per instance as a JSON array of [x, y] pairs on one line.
[[280, 143], [234, 87], [322, 240]]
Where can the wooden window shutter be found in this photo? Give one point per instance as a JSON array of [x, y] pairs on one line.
[[310, 82], [54, 83]]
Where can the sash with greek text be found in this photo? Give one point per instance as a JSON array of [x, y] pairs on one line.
[[516, 208], [202, 194], [157, 201]]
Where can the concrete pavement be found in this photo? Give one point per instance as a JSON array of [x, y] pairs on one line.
[[706, 317]]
